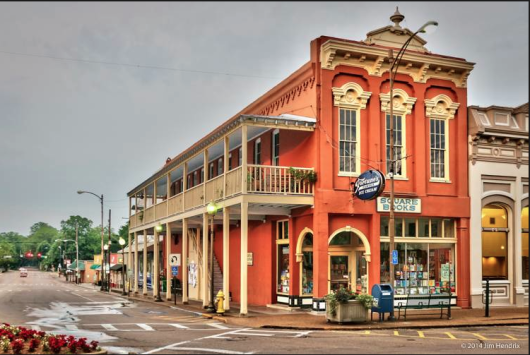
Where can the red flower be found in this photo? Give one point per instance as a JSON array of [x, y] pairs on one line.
[[17, 345], [33, 344]]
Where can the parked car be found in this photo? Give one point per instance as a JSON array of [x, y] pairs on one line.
[[23, 272]]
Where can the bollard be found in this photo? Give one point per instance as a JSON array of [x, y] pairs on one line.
[[487, 298]]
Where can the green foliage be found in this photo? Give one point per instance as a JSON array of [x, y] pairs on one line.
[[301, 175], [343, 295]]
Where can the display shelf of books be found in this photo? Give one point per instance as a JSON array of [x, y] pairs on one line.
[[283, 287], [412, 279], [339, 276]]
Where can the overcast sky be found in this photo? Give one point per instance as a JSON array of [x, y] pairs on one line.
[[67, 125]]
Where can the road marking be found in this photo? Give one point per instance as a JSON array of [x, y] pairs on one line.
[[396, 333], [509, 336], [480, 336], [36, 327], [217, 325], [205, 350], [71, 327], [367, 332], [179, 326], [145, 326], [420, 334], [109, 327], [450, 335]]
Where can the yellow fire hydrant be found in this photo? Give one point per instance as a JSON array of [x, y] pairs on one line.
[[220, 302]]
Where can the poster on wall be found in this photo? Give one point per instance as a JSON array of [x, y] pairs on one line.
[[192, 274]]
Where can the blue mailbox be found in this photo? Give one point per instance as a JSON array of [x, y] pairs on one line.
[[383, 300]]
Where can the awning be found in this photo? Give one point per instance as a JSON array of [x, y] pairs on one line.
[[95, 267], [117, 267], [73, 266]]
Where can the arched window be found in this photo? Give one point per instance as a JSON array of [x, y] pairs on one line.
[[494, 242], [307, 265], [524, 242]]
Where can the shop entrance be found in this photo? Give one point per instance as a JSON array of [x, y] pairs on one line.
[[347, 262]]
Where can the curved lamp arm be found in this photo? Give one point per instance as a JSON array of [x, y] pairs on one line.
[[88, 192]]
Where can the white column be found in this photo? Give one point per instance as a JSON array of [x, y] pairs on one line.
[[516, 251], [226, 162], [145, 264], [226, 257], [135, 262], [184, 261], [129, 261], [205, 259], [168, 266], [156, 272], [244, 266]]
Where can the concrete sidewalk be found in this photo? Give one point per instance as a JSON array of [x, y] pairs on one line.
[[287, 318]]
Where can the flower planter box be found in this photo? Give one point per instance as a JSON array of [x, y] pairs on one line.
[[353, 311]]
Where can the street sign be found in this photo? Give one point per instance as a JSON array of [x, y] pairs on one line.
[[369, 185], [394, 257], [174, 259], [174, 270]]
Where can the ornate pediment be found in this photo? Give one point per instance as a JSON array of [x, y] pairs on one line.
[[351, 95], [403, 103], [441, 107]]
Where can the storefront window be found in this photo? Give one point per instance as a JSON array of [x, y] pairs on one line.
[[361, 285], [410, 227], [343, 238], [282, 240], [449, 228], [422, 268], [339, 272], [494, 243], [283, 269], [384, 226], [423, 228], [524, 242], [436, 228], [307, 265]]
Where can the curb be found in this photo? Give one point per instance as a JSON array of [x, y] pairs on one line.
[[408, 326]]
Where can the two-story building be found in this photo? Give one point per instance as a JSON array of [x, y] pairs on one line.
[[288, 229], [498, 180]]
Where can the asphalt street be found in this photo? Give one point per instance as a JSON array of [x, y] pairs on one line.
[[42, 301]]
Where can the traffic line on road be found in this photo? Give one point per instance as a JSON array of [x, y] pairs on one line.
[[510, 337], [145, 327], [480, 336], [71, 327], [179, 326], [217, 325], [420, 334], [450, 335], [109, 327]]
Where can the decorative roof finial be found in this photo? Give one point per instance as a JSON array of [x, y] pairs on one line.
[[397, 18]]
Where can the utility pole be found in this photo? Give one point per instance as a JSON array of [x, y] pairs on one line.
[[108, 275], [77, 253]]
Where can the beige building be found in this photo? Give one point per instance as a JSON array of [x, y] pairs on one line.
[[498, 187]]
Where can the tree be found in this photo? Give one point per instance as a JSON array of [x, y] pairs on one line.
[[7, 256]]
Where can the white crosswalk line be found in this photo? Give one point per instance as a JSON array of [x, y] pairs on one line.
[[71, 327], [217, 325], [145, 326], [179, 326], [109, 327], [35, 327]]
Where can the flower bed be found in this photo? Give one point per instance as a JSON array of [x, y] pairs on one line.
[[20, 340]]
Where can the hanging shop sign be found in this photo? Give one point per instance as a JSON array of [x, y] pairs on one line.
[[369, 185], [401, 205]]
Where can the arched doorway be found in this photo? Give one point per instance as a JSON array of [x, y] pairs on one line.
[[495, 253], [304, 255], [349, 254]]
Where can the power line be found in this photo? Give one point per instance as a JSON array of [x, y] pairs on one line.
[[135, 65]]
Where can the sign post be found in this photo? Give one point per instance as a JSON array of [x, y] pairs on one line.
[[394, 257]]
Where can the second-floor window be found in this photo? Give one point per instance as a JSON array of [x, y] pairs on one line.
[[190, 182], [276, 147], [210, 172], [439, 158], [348, 142], [220, 166], [399, 146], [257, 152], [240, 155], [230, 161]]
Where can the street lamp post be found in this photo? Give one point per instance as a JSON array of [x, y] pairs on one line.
[[104, 280], [212, 210], [64, 252], [122, 243], [397, 17], [102, 231]]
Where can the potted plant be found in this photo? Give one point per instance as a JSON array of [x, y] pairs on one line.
[[141, 216], [344, 306]]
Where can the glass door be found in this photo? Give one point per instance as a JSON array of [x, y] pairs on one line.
[[339, 272]]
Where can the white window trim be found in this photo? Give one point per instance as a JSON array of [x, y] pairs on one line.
[[443, 108], [403, 175], [256, 142], [275, 133]]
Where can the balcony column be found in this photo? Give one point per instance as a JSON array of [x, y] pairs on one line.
[[145, 265], [168, 266], [184, 185], [154, 200], [168, 192], [136, 262], [206, 169], [156, 272], [129, 260], [205, 270], [244, 160], [226, 257], [185, 261], [244, 250]]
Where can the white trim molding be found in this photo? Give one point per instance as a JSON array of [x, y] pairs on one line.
[[403, 103], [351, 95], [441, 107]]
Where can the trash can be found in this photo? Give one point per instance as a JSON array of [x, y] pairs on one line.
[[383, 300], [164, 285]]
